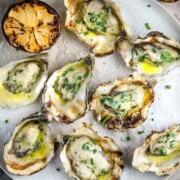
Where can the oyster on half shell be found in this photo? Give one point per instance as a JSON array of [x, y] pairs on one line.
[[30, 147], [154, 54], [96, 22], [85, 155], [65, 95], [22, 81], [123, 103], [160, 153]]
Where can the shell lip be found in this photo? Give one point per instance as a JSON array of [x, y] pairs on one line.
[[44, 57]]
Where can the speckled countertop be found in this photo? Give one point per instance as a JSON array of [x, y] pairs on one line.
[[173, 8]]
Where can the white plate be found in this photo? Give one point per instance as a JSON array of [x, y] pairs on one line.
[[67, 49]]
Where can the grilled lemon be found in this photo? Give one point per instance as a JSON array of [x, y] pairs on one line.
[[31, 26]]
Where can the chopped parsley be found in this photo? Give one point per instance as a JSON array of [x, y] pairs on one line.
[[89, 147], [143, 57], [153, 50], [166, 56], [163, 152], [167, 87], [105, 119], [85, 146], [165, 143], [6, 121], [41, 127], [71, 80], [37, 145], [79, 77], [71, 87], [99, 20], [85, 161], [148, 26], [172, 143], [92, 161], [68, 70], [141, 132], [86, 33], [94, 151], [128, 138], [103, 171], [57, 169], [115, 103], [78, 21], [107, 98]]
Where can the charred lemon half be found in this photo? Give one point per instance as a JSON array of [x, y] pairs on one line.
[[31, 26]]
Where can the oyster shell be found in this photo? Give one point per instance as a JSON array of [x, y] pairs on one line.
[[160, 153], [86, 155], [123, 103], [96, 22], [30, 147], [21, 81], [153, 55], [31, 26], [65, 95]]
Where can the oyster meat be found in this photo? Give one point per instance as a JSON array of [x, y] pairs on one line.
[[65, 95], [85, 155], [123, 103], [21, 81], [155, 54], [160, 153], [30, 147], [96, 22], [32, 26]]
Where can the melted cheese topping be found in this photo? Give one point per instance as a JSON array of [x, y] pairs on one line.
[[88, 159]]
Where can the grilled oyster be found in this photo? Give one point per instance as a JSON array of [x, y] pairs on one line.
[[160, 153], [30, 147], [31, 26], [21, 81], [86, 155], [153, 55], [65, 95], [96, 22], [123, 103]]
